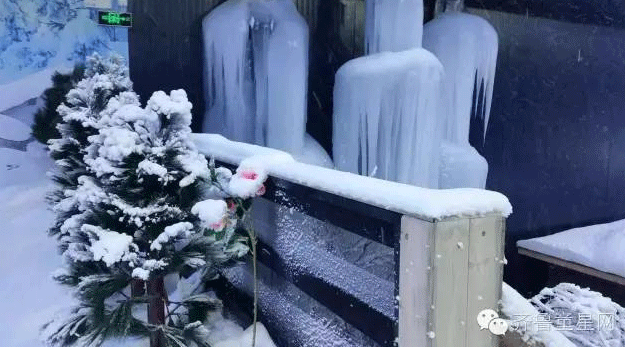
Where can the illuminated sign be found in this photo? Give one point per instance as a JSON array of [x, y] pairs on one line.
[[114, 18]]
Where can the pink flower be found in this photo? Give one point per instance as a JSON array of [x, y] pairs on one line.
[[261, 190], [231, 206], [249, 175], [218, 226]]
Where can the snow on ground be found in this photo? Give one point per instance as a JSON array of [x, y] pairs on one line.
[[13, 129], [28, 295], [596, 246]]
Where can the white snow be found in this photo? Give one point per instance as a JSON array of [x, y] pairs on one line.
[[398, 197], [513, 305], [596, 246], [245, 338], [596, 320], [261, 99], [13, 129], [111, 246], [393, 25], [387, 117], [211, 212], [170, 232], [27, 254]]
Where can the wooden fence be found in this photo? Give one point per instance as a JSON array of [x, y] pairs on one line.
[[444, 269]]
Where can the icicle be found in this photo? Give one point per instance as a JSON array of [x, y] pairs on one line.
[[467, 46], [256, 73], [387, 116], [393, 25]]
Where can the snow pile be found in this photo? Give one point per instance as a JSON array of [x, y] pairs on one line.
[[514, 307], [585, 317], [249, 97], [12, 129], [245, 338], [111, 247], [386, 120], [27, 255], [595, 246], [211, 212]]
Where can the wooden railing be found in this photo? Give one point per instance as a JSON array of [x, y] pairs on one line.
[[445, 250]]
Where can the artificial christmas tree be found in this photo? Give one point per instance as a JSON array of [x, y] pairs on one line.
[[146, 207], [47, 117]]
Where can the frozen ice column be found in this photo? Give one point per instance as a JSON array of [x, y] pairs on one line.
[[393, 25], [387, 120], [256, 72], [467, 47]]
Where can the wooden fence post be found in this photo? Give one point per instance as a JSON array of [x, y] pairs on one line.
[[449, 271]]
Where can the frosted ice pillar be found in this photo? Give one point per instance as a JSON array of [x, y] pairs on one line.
[[467, 47], [393, 25], [256, 73], [387, 116]]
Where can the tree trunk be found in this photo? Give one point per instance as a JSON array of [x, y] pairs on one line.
[[156, 309]]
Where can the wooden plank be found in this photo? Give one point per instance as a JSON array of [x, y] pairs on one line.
[[415, 289], [450, 259], [573, 266], [486, 247]]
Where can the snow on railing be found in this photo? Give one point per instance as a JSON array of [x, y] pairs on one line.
[[431, 204], [447, 245]]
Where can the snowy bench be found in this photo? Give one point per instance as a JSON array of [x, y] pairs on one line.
[[591, 250], [347, 260]]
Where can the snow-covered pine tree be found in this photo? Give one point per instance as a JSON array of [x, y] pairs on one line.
[[142, 218], [104, 78]]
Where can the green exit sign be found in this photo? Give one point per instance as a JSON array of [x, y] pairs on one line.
[[114, 18]]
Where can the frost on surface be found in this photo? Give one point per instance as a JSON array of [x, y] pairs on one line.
[[249, 96], [597, 320], [386, 120], [513, 306], [393, 25]]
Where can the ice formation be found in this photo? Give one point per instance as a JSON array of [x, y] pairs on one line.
[[393, 25], [256, 75], [467, 47], [461, 167], [387, 116]]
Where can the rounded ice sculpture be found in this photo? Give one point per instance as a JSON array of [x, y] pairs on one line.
[[256, 72], [467, 46], [387, 116]]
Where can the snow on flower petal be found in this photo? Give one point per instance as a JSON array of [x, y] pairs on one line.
[[211, 212]]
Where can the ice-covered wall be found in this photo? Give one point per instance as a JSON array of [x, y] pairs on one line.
[[41, 36], [393, 25]]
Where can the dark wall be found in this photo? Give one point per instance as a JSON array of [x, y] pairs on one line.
[[556, 140], [165, 48]]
